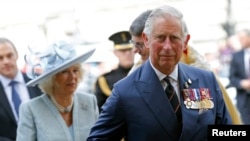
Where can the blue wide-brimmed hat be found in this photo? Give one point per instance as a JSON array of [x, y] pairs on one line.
[[57, 57]]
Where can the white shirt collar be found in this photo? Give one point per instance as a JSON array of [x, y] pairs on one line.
[[18, 78], [247, 50], [161, 76]]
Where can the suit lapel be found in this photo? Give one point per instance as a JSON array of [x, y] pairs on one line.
[[4, 100], [154, 96], [5, 103], [80, 108], [188, 115], [57, 116], [243, 69], [33, 91]]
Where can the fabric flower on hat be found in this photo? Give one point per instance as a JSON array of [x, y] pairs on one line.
[[54, 55]]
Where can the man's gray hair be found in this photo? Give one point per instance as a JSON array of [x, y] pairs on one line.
[[163, 12]]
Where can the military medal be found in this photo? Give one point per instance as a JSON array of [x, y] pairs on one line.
[[188, 104], [197, 99]]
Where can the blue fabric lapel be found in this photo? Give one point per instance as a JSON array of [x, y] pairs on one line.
[[154, 96], [5, 103]]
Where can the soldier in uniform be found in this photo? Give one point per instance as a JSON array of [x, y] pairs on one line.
[[123, 49]]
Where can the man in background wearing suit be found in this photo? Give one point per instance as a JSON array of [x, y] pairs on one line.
[[239, 75], [9, 71]]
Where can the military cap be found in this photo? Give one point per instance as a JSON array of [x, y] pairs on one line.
[[121, 40]]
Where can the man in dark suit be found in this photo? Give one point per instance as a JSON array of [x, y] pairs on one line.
[[9, 71], [190, 56], [239, 75], [163, 99], [123, 50]]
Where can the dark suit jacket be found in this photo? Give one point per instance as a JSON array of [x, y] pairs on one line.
[[8, 125], [139, 109], [236, 74]]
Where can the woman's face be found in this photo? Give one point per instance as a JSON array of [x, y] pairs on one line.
[[67, 80]]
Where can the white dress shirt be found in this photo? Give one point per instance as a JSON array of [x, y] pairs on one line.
[[173, 80], [20, 87], [247, 61]]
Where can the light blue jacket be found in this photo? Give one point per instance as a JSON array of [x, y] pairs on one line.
[[41, 121]]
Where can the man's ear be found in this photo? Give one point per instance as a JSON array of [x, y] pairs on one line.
[[145, 39], [185, 49]]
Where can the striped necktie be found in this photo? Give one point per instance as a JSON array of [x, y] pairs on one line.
[[173, 99], [15, 96]]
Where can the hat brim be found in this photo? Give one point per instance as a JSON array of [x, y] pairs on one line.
[[123, 46], [78, 59]]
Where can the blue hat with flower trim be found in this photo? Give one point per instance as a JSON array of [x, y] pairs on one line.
[[57, 57]]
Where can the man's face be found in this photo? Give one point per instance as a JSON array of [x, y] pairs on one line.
[[8, 58], [244, 39], [140, 48], [126, 57], [166, 43]]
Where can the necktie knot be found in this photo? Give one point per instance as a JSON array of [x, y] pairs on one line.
[[167, 79], [169, 86], [13, 83]]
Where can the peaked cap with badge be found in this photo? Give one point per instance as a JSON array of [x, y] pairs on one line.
[[121, 40], [105, 82]]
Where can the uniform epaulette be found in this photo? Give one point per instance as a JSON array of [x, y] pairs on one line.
[[104, 86]]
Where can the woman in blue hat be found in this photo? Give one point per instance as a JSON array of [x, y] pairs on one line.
[[60, 113]]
